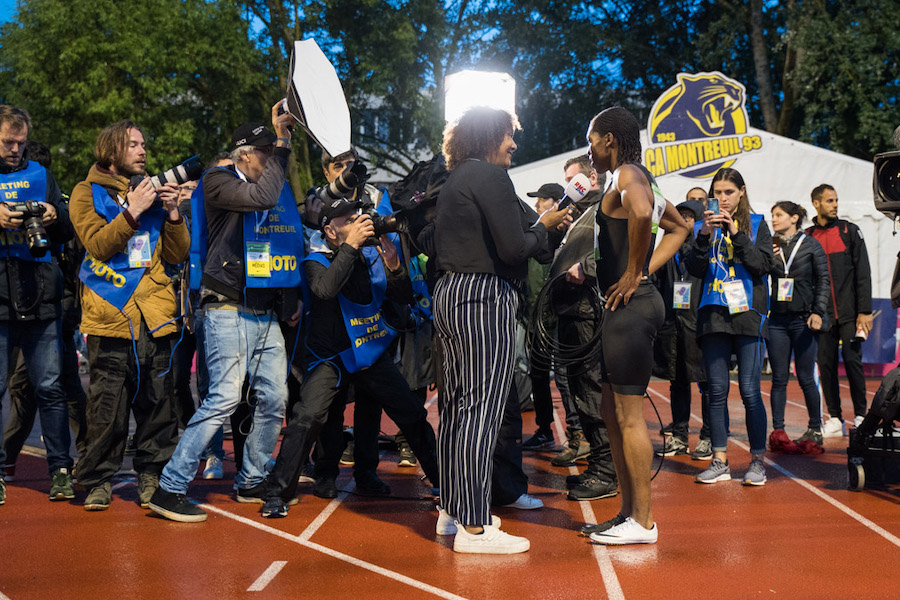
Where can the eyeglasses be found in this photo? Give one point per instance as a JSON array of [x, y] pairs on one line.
[[264, 149]]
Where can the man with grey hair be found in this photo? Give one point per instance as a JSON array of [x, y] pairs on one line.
[[250, 249]]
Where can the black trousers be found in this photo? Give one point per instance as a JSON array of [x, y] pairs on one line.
[[120, 384], [851, 350], [586, 388], [381, 383]]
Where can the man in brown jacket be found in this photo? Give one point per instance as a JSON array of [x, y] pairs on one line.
[[129, 311]]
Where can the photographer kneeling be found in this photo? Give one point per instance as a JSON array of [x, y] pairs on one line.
[[347, 343]]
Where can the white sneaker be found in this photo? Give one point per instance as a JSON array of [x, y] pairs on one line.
[[629, 532], [492, 541], [833, 427], [446, 525], [857, 421], [213, 469], [525, 502]]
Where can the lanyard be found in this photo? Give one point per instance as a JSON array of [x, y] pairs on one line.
[[790, 261]]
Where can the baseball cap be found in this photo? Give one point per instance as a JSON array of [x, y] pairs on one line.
[[252, 134], [338, 207], [549, 190], [695, 206]]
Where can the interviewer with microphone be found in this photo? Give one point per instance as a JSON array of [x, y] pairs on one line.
[[484, 236]]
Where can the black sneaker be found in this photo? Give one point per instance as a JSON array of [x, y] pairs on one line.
[[274, 508], [325, 488], [252, 495], [593, 488], [576, 480], [368, 482], [577, 449], [667, 429], [587, 530], [540, 440], [61, 488], [347, 457], [407, 457], [175, 507]]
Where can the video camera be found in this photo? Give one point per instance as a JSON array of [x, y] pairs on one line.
[[886, 183], [33, 225]]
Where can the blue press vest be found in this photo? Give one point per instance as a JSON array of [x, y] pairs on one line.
[[28, 184], [282, 228], [369, 334], [114, 280], [718, 270]]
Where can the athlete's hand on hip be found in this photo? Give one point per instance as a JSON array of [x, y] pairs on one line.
[[622, 291]]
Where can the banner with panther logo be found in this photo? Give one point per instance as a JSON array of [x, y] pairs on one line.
[[698, 126]]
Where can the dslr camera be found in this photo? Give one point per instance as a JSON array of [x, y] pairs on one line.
[[32, 225]]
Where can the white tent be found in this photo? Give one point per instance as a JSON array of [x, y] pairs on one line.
[[783, 169]]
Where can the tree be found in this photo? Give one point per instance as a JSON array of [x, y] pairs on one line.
[[186, 71]]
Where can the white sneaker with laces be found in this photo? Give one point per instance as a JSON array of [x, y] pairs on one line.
[[525, 502], [857, 421], [629, 532], [833, 427], [446, 525], [491, 541], [213, 469]]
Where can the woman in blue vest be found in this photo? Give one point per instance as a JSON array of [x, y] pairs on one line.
[[732, 252], [800, 292]]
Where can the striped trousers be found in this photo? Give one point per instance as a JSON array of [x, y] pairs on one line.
[[475, 320]]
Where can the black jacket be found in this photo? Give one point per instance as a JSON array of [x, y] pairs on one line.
[[758, 260], [810, 274], [33, 290], [848, 267]]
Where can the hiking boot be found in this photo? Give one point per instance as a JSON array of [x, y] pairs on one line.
[[99, 497], [2, 491], [325, 488], [175, 507], [61, 488], [718, 471], [593, 488], [252, 495], [540, 440], [213, 468], [368, 482], [407, 457], [673, 446], [627, 532], [274, 508], [147, 484], [587, 530], [576, 480], [811, 435], [347, 456], [756, 474], [703, 450], [491, 541], [577, 449]]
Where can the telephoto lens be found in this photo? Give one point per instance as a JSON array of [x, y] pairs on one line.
[[189, 170]]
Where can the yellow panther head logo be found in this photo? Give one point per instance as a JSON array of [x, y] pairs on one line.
[[698, 106]]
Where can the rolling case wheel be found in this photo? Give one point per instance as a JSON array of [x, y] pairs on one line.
[[857, 477]]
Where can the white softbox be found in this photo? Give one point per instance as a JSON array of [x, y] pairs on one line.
[[316, 100]]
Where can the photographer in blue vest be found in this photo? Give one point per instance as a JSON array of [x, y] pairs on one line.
[[249, 250], [349, 277], [31, 288], [128, 229]]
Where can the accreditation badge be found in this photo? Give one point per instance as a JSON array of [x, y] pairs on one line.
[[735, 296], [258, 257], [681, 297], [785, 289], [139, 250]]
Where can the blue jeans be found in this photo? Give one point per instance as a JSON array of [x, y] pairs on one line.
[[215, 448], [237, 344], [788, 333], [41, 345], [717, 349]]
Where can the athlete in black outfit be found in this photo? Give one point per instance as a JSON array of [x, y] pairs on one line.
[[631, 208]]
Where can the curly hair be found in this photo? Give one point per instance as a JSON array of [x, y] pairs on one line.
[[478, 133], [742, 211], [625, 128]]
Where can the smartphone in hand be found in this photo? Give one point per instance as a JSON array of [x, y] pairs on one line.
[[713, 205]]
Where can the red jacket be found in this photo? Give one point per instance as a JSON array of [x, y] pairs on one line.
[[848, 268]]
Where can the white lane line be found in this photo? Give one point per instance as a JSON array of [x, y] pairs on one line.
[[601, 553], [803, 483], [3, 596], [335, 554], [323, 516], [268, 575]]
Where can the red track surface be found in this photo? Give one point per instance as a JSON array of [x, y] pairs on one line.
[[802, 535]]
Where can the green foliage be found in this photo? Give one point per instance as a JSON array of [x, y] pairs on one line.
[[184, 70]]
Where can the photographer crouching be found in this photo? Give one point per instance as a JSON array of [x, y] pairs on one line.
[[347, 342]]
